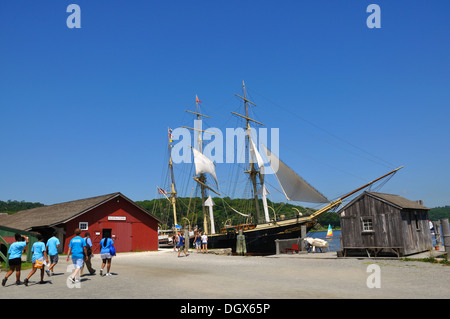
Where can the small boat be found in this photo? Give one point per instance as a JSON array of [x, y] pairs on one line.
[[165, 238], [330, 231]]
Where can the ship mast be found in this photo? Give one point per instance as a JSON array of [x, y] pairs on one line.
[[201, 180], [339, 200], [252, 172], [173, 191]]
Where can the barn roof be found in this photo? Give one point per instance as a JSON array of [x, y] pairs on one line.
[[53, 215], [394, 200]]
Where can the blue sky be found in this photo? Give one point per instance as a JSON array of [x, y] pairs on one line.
[[84, 112]]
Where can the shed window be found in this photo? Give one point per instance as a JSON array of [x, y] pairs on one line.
[[416, 219], [83, 225], [367, 224]]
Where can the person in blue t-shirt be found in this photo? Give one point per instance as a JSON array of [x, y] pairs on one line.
[[52, 251], [38, 259], [15, 257], [77, 247], [105, 254], [182, 245]]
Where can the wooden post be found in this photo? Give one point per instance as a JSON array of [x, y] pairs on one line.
[[446, 234], [437, 232], [302, 235], [186, 238], [277, 245]]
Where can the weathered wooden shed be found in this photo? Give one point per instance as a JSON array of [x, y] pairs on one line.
[[378, 224]]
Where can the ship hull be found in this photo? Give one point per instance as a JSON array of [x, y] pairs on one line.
[[259, 241]]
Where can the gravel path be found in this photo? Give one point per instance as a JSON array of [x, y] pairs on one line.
[[207, 276]]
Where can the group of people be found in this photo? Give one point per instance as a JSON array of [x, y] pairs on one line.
[[200, 243], [80, 250]]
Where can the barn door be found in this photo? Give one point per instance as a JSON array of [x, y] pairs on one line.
[[122, 236]]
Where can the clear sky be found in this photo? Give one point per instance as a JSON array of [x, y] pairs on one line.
[[84, 112]]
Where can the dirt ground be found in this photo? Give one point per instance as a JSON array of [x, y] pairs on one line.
[[163, 275]]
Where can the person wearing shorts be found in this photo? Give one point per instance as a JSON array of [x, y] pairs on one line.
[[77, 247], [38, 258], [15, 257], [52, 250], [181, 245], [105, 254], [198, 242], [205, 243]]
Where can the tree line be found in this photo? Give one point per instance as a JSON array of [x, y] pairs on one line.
[[439, 213], [12, 206], [189, 211]]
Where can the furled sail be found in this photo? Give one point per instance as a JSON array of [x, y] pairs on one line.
[[203, 164], [294, 187], [236, 211]]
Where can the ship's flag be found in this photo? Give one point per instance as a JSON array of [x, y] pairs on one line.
[[161, 191], [196, 99], [330, 231], [170, 135]]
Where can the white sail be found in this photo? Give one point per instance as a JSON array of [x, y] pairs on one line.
[[255, 153], [203, 164], [294, 187], [263, 192]]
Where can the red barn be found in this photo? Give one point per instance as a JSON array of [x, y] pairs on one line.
[[131, 227]]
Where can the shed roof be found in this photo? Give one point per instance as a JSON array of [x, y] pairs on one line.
[[398, 201], [53, 215], [395, 200]]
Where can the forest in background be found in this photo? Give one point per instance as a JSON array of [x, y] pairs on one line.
[[191, 210]]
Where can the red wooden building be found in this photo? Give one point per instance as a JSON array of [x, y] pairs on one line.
[[130, 227]]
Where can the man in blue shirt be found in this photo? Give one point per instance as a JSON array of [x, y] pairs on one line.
[[89, 254], [77, 247], [182, 246], [52, 250], [15, 257]]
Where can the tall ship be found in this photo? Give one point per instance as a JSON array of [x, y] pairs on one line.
[[260, 231]]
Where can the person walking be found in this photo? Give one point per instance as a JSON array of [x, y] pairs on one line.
[[77, 247], [38, 258], [89, 255], [205, 243], [52, 251], [15, 257], [181, 245], [175, 241], [105, 253]]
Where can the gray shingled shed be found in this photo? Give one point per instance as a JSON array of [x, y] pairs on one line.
[[378, 224]]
